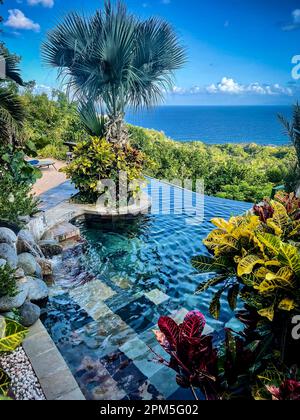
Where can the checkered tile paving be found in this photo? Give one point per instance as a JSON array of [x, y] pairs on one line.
[[104, 336]]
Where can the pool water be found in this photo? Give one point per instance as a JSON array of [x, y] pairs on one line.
[[111, 291]]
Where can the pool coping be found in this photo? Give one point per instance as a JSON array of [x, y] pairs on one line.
[[53, 373]]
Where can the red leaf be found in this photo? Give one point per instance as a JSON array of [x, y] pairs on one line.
[[170, 329], [193, 325], [162, 340]]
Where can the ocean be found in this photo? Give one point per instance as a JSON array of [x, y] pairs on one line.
[[216, 124]]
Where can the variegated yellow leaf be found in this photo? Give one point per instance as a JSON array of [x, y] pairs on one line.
[[272, 263], [296, 229], [277, 229], [11, 335], [247, 264], [4, 382], [280, 220], [289, 256], [222, 224], [283, 279], [267, 313], [271, 242], [262, 272], [287, 305]]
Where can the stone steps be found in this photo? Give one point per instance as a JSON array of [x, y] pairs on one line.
[[62, 232]]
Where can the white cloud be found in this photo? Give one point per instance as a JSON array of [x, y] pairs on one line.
[[178, 90], [225, 86], [296, 16], [228, 86], [18, 20], [45, 3], [295, 24]]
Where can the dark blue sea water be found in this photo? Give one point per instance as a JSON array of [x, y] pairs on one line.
[[216, 124]]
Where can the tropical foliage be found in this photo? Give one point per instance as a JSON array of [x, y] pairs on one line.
[[16, 175], [50, 121], [258, 255], [97, 159], [293, 131], [114, 60], [238, 172], [11, 109], [192, 353], [4, 384], [255, 257], [7, 281], [16, 179], [237, 368], [11, 337]]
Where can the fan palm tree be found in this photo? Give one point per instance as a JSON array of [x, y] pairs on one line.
[[11, 110], [115, 60]]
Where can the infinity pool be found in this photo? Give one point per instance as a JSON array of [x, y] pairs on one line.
[[110, 291]]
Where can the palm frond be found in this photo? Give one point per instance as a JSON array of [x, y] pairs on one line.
[[115, 58], [92, 119], [11, 113], [12, 69]]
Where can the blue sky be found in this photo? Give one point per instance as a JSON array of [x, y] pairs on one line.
[[239, 51]]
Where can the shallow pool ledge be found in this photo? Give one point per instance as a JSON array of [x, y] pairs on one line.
[[67, 211], [53, 373]]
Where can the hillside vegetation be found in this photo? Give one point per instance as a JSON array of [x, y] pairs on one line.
[[234, 171], [239, 172]]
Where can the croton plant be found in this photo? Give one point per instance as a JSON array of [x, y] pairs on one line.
[[239, 368], [255, 259], [11, 337]]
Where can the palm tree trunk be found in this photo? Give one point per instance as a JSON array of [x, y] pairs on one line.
[[116, 130]]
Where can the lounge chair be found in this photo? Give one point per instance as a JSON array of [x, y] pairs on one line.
[[42, 163]]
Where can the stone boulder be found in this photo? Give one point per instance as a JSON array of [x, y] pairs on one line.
[[27, 262], [8, 253], [26, 244], [38, 289], [19, 273], [38, 273], [7, 236], [29, 314], [50, 248], [8, 303], [46, 266]]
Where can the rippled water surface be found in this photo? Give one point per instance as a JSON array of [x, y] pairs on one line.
[[111, 297], [155, 250]]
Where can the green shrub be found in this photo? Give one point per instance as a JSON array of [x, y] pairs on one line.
[[233, 171], [97, 159], [16, 180], [58, 152], [277, 174], [13, 163], [7, 281], [16, 200]]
